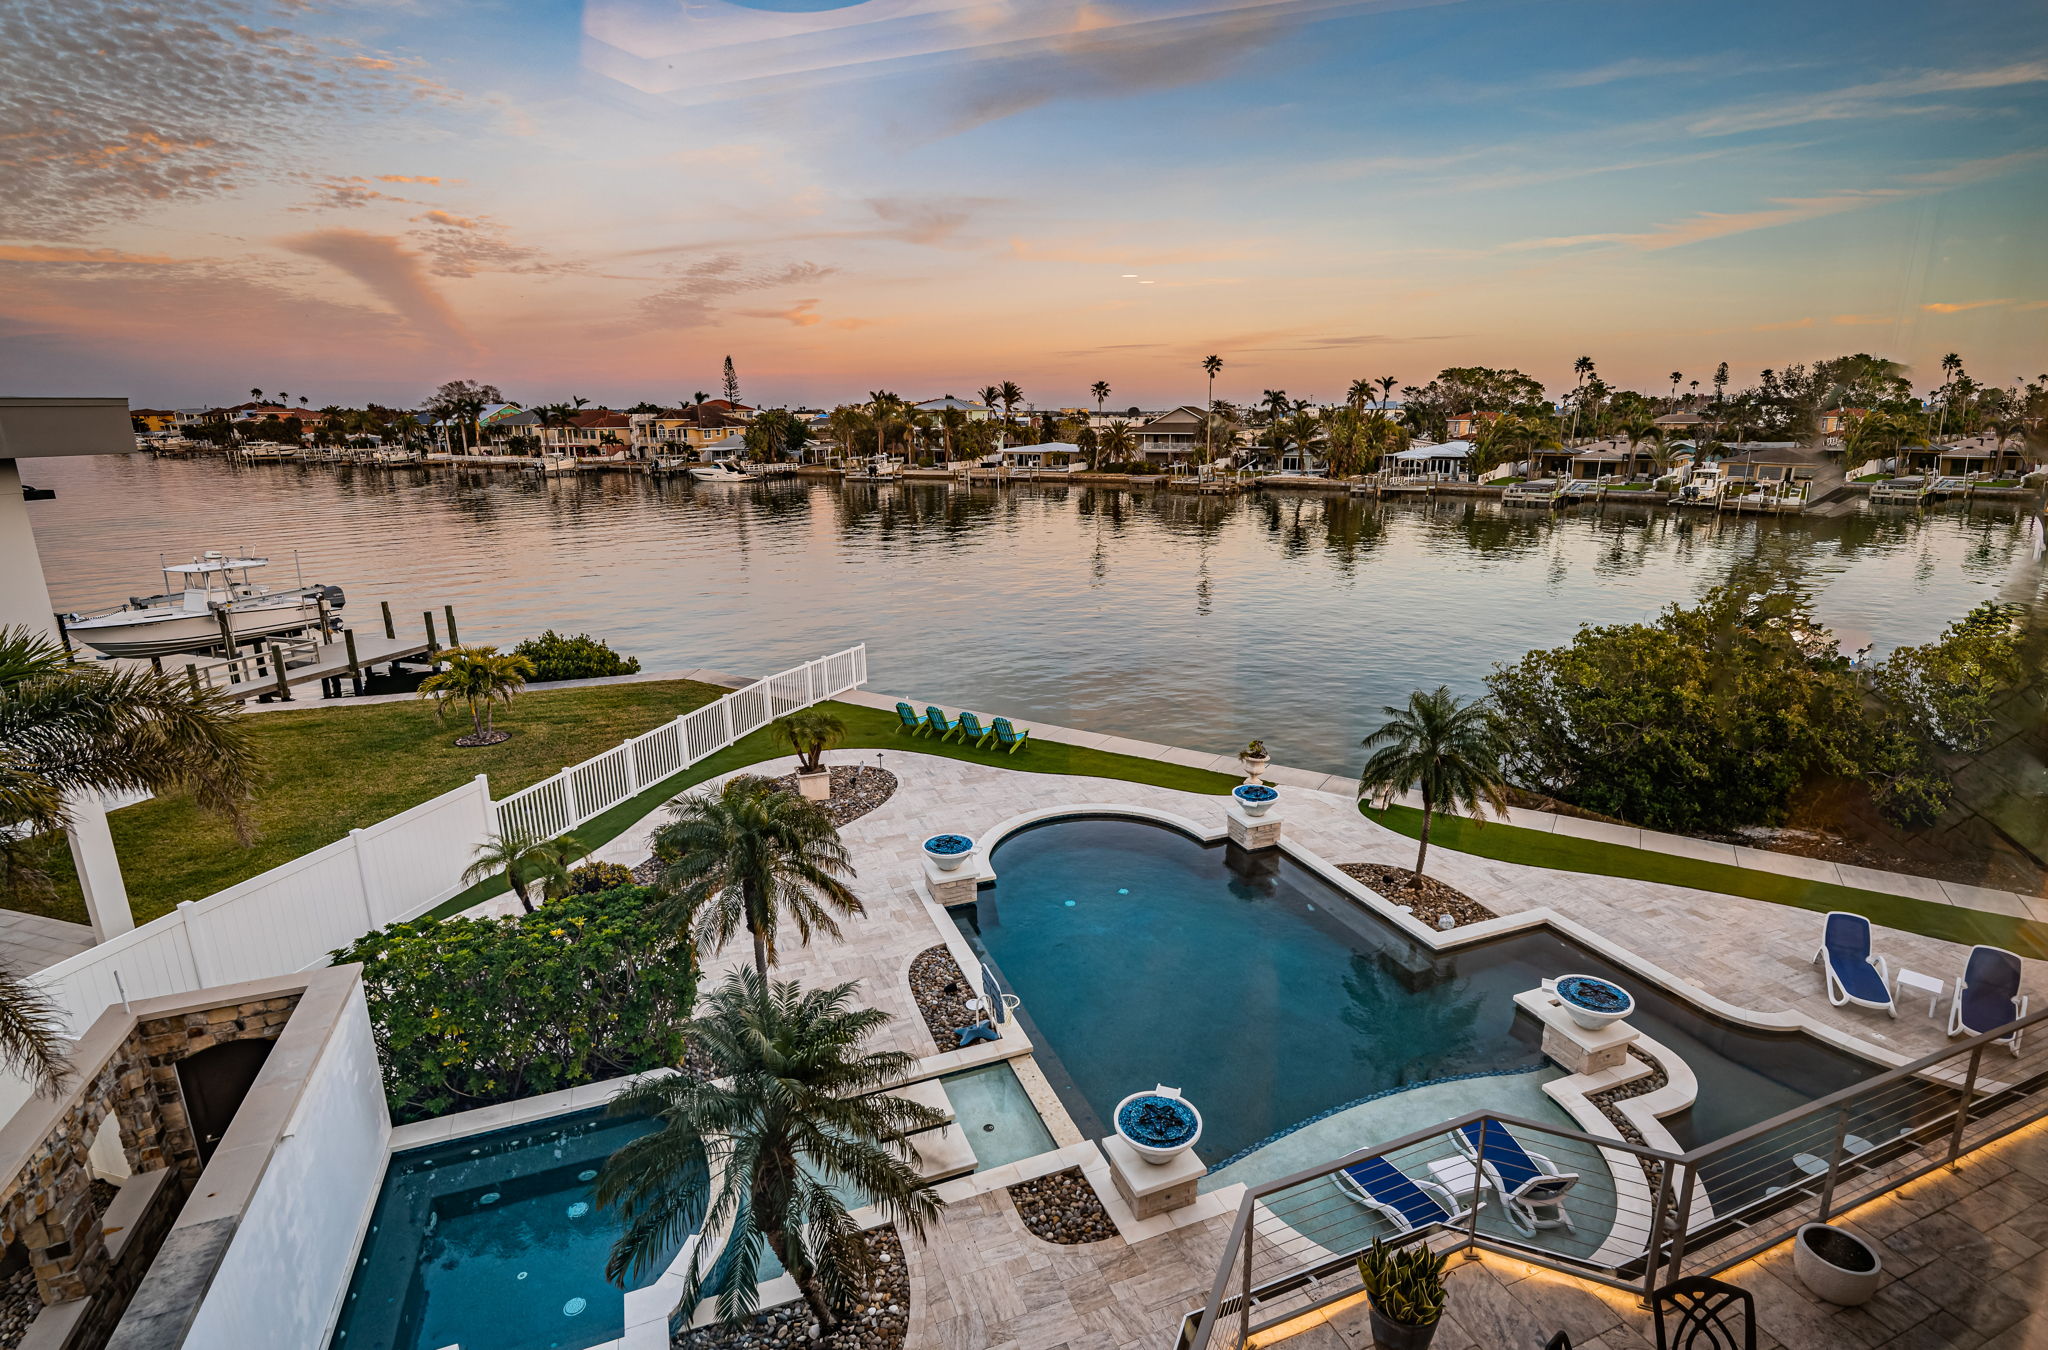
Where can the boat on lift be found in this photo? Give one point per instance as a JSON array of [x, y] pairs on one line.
[[875, 469], [212, 603], [719, 471]]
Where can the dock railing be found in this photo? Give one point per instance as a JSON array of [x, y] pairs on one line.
[[1644, 1216], [292, 916]]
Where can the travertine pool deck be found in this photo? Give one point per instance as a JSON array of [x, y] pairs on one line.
[[983, 1283]]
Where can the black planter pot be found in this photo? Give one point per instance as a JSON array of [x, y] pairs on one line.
[[1391, 1335]]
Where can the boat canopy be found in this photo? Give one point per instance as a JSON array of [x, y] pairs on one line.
[[215, 562]]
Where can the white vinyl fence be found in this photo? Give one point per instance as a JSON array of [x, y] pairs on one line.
[[292, 916]]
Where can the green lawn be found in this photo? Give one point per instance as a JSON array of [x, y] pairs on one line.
[[1537, 848], [333, 769], [869, 729]]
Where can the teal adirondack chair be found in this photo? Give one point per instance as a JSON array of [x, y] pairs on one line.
[[908, 720], [1009, 740], [938, 724], [971, 729]]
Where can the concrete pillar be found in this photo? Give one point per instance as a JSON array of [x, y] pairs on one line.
[[25, 600]]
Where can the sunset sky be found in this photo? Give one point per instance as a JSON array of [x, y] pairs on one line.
[[604, 199]]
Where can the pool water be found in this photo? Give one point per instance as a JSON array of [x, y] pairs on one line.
[[493, 1242], [996, 1114], [1269, 997]]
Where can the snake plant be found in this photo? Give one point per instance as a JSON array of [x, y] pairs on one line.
[[1405, 1283]]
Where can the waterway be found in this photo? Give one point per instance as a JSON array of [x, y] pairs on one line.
[[1200, 621]]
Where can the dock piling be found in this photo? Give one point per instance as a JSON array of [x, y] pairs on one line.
[[284, 688], [433, 644], [389, 630], [453, 640]]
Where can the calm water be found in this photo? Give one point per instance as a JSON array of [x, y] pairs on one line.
[[493, 1242], [1198, 621], [1267, 996]]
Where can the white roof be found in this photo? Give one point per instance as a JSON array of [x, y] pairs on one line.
[[1448, 450], [1054, 447], [936, 404]]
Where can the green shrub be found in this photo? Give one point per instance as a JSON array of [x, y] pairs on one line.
[[472, 1012], [591, 878], [581, 657]]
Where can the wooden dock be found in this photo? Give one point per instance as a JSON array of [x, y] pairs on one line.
[[341, 660]]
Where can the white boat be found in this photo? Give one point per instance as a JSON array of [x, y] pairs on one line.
[[875, 469], [208, 604], [719, 471], [548, 465]]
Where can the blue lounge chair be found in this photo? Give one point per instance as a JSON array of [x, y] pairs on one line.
[[971, 729], [908, 720], [1008, 739], [1988, 996], [1853, 974], [1528, 1184], [938, 724], [1400, 1199]]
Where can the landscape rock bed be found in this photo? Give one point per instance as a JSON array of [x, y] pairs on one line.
[[881, 1320], [856, 790], [1063, 1208], [18, 1306], [941, 992], [475, 739], [1427, 896], [1609, 1104]]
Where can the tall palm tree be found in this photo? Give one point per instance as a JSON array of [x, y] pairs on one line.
[[525, 860], [787, 1114], [1101, 391], [1676, 376], [68, 729], [1011, 394], [1359, 394], [1212, 366], [1386, 384], [746, 857], [480, 677], [1115, 443], [1447, 748], [256, 395]]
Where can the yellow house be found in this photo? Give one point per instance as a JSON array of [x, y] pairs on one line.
[[152, 421]]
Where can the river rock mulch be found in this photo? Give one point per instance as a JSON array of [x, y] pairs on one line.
[[856, 790], [1062, 1207], [18, 1306], [941, 992], [880, 1321], [1427, 896], [1609, 1104], [476, 739]]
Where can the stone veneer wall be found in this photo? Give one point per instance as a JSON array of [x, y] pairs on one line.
[[48, 1203]]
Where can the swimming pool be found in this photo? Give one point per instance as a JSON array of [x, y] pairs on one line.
[[493, 1242], [1270, 997]]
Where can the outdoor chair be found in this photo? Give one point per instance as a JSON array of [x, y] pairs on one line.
[[1009, 740], [908, 720], [971, 729], [938, 724], [1988, 996], [1699, 1310], [1529, 1185], [1406, 1202], [1853, 974]]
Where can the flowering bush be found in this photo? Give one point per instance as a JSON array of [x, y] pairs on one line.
[[472, 1012]]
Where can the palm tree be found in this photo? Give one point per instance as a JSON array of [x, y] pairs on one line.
[[1115, 443], [1212, 366], [1011, 394], [525, 859], [480, 677], [747, 856], [1101, 391], [256, 395], [1386, 384], [1448, 748], [68, 729], [1676, 376], [811, 732], [1359, 394], [787, 1113], [951, 422]]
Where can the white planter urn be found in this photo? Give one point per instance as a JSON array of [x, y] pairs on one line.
[[1592, 1002], [814, 786], [1836, 1264], [1254, 765], [1159, 1124], [948, 851], [1254, 799]]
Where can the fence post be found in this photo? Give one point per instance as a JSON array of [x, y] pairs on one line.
[[1827, 1188], [390, 629], [1684, 1223], [433, 644], [569, 797], [201, 969], [725, 712], [355, 840], [632, 769], [1955, 1140]]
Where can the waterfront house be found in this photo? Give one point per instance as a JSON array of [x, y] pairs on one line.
[[1052, 456], [1837, 421], [152, 421], [974, 412], [1614, 461], [1460, 426], [1174, 436], [1450, 462], [710, 430], [592, 431], [1981, 456], [1680, 423]]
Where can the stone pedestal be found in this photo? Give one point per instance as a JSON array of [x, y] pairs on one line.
[[1152, 1188], [1574, 1048], [956, 887], [1249, 831]]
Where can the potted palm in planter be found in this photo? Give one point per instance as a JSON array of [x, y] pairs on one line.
[[1254, 759], [811, 732], [1405, 1288]]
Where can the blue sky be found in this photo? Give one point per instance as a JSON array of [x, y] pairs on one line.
[[933, 194]]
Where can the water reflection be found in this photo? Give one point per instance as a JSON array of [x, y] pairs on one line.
[[1200, 620]]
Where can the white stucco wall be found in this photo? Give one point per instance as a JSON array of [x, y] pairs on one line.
[[288, 1266]]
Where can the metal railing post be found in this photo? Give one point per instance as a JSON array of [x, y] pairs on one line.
[[1833, 1174], [1658, 1206], [1478, 1181], [1684, 1223], [1244, 1299], [1969, 1093]]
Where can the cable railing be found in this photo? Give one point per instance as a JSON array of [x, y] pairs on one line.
[[1635, 1217]]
